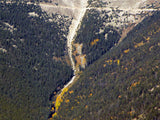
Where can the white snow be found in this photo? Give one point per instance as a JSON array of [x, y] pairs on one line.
[[15, 46], [72, 33], [10, 27], [3, 50], [33, 14]]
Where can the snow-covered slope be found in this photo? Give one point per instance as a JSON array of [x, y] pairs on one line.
[[121, 13]]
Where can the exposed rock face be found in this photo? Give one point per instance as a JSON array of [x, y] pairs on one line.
[[70, 8], [124, 4]]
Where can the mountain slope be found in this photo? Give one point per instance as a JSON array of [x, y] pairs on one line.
[[37, 40], [124, 83], [33, 60]]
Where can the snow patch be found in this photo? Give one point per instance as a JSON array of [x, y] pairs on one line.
[[9, 27], [3, 50], [15, 46], [33, 14]]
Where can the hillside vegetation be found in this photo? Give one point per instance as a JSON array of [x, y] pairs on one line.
[[123, 84], [95, 37], [32, 60]]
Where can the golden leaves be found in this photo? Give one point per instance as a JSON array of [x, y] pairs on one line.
[[126, 51], [118, 62], [110, 62], [94, 42], [147, 38], [86, 106], [139, 44], [52, 109], [67, 101], [90, 95], [151, 48], [134, 85], [119, 96], [54, 115], [59, 100], [70, 92]]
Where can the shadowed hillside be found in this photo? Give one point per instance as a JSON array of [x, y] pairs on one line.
[[32, 60]]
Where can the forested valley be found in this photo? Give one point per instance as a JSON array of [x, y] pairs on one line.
[[116, 79]]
